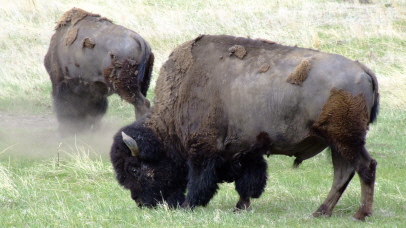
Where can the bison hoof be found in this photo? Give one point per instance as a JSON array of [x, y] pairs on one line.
[[361, 215], [241, 210], [322, 211], [186, 206]]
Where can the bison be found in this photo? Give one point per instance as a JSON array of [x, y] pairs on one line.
[[88, 59], [223, 102]]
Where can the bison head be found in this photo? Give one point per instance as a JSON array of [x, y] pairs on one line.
[[142, 167]]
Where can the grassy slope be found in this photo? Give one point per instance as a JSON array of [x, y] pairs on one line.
[[79, 188]]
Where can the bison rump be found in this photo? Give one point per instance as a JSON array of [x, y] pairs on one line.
[[88, 49]]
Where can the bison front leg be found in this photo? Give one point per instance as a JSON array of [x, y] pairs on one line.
[[202, 183], [252, 181]]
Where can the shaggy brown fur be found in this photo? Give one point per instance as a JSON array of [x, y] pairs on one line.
[[299, 75], [165, 96], [333, 121]]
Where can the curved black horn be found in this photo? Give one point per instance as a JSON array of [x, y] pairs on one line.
[[131, 143]]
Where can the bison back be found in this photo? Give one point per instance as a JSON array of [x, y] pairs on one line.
[[224, 91]]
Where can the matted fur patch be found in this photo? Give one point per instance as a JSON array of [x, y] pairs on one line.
[[74, 16], [88, 43], [264, 68], [71, 35], [238, 51], [299, 75]]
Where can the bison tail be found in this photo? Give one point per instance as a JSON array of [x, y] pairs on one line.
[[145, 68], [375, 107]]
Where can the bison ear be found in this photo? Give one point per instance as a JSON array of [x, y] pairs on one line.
[[131, 143]]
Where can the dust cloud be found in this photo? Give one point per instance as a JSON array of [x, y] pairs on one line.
[[37, 136]]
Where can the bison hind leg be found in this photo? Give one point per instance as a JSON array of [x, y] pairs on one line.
[[343, 122], [344, 170], [343, 173]]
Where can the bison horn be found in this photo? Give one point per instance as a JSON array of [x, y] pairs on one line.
[[131, 143]]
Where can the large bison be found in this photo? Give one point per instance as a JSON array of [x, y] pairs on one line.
[[224, 102], [90, 58]]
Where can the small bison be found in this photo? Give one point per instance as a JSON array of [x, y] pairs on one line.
[[88, 59], [224, 102]]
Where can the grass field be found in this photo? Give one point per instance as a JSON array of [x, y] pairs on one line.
[[46, 181]]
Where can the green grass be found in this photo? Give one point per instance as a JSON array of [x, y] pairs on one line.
[[46, 181], [77, 188]]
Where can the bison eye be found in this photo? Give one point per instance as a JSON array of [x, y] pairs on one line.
[[133, 170]]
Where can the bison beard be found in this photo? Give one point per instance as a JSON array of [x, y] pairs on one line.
[[217, 114]]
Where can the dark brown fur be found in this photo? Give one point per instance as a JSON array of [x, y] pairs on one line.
[[333, 121]]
